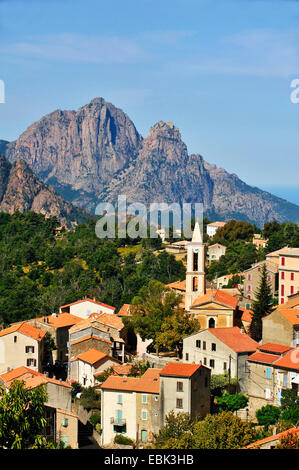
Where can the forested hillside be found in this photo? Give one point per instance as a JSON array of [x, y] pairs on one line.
[[42, 267]]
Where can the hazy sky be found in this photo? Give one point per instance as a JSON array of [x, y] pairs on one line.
[[219, 69]]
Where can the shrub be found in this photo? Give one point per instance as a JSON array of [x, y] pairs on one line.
[[95, 419], [120, 439]]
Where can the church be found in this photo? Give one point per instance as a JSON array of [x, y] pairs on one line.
[[214, 308]]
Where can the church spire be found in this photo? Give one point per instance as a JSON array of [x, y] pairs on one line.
[[195, 275], [197, 235]]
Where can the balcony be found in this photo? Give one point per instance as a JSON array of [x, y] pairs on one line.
[[118, 422]]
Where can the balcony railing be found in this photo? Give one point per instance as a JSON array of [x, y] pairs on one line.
[[117, 421]]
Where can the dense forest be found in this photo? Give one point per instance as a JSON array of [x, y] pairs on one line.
[[43, 267]]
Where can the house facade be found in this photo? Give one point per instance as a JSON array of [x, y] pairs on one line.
[[21, 345], [223, 350], [85, 307], [213, 227], [215, 252], [282, 324], [288, 273], [252, 279], [272, 369]]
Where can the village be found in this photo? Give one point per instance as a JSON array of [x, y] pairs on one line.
[[109, 384]]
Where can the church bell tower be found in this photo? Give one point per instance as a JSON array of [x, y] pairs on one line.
[[195, 276]]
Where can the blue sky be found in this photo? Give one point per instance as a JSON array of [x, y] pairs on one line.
[[219, 69]]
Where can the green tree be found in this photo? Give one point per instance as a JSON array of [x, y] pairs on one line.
[[22, 417], [267, 415], [222, 431], [177, 427], [232, 402], [262, 306], [150, 307], [174, 328]]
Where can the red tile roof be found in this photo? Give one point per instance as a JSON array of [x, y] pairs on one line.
[[60, 321], [92, 356], [293, 431], [290, 360], [246, 315], [148, 383], [85, 338], [179, 369], [25, 329], [275, 348], [218, 296], [264, 358], [235, 339], [30, 377], [125, 311], [291, 314]]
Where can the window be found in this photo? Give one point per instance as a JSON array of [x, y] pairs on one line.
[[213, 346], [31, 362], [269, 278], [205, 361], [212, 363], [15, 339], [179, 403], [29, 349], [156, 398], [64, 422], [224, 366], [249, 297], [179, 386], [119, 399], [282, 261], [198, 343], [249, 288], [268, 372], [267, 393], [204, 346], [292, 276], [144, 398], [292, 290], [282, 275], [144, 415], [282, 290], [187, 357], [248, 277]]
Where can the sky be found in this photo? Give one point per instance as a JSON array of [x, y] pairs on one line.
[[220, 70]]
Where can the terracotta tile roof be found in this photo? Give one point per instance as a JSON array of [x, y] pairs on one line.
[[179, 285], [290, 360], [148, 383], [125, 311], [85, 338], [290, 314], [246, 315], [110, 320], [60, 321], [87, 300], [216, 224], [31, 378], [235, 339], [179, 369], [293, 431], [83, 324], [25, 329], [123, 369], [218, 296], [270, 265], [274, 348], [92, 356], [264, 358], [216, 244]]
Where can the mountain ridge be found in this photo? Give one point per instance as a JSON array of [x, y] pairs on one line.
[[95, 154]]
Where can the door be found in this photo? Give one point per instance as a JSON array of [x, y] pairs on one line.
[[144, 435]]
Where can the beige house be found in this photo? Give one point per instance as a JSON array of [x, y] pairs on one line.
[[223, 350], [62, 424], [288, 273], [282, 324], [84, 366], [85, 307], [21, 345], [215, 252], [252, 278], [137, 407], [272, 369]]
